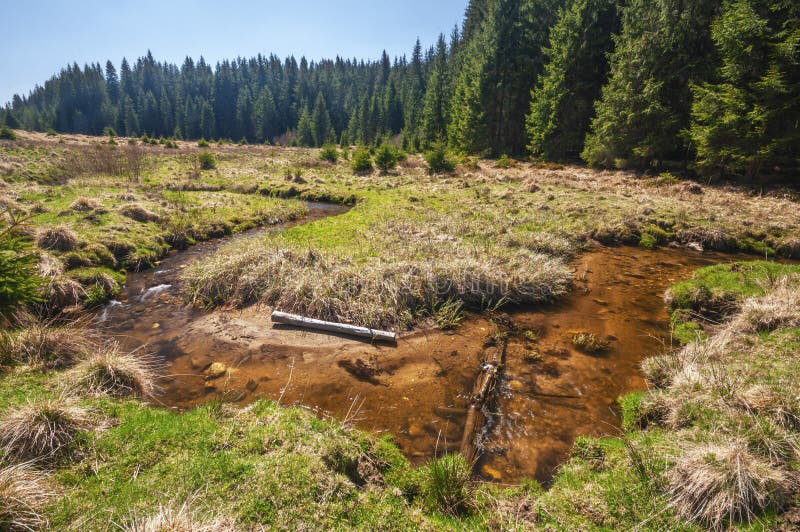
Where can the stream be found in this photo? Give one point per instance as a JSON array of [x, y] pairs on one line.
[[417, 391]]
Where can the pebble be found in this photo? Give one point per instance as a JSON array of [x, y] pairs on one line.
[[216, 370]]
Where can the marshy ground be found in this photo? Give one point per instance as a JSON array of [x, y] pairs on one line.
[[455, 263]]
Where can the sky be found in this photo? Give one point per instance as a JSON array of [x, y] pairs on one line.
[[40, 37]]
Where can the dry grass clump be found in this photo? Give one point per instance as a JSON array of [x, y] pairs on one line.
[[375, 293], [58, 238], [111, 372], [777, 309], [83, 204], [42, 430], [718, 483], [23, 494], [50, 344], [138, 213], [49, 266], [180, 519], [780, 407], [62, 292]]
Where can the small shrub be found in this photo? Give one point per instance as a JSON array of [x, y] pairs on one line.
[[439, 160], [51, 132], [207, 160], [19, 282], [329, 153], [505, 161], [58, 238], [202, 143], [7, 133], [109, 131], [110, 372], [446, 483], [362, 160], [42, 430], [23, 495], [385, 158]]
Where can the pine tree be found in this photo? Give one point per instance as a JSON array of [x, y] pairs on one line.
[[747, 123], [305, 128], [320, 123], [562, 104], [435, 114], [664, 46]]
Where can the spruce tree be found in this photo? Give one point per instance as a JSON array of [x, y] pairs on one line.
[[320, 123], [562, 104], [747, 123], [305, 128], [664, 46]]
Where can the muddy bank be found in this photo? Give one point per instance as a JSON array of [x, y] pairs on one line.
[[417, 391]]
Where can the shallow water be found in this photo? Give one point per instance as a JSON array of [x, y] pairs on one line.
[[417, 391]]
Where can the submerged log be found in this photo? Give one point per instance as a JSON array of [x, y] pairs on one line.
[[341, 328]]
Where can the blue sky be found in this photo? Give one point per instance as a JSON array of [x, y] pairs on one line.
[[40, 37]]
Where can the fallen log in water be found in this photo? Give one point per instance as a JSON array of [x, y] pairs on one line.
[[484, 385], [342, 328]]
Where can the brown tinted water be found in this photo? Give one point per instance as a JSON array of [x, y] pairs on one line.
[[417, 390]]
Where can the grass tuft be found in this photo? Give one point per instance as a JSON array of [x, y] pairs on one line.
[[58, 238], [42, 430], [138, 213], [447, 482], [176, 519], [50, 344], [718, 483], [111, 372], [23, 495]]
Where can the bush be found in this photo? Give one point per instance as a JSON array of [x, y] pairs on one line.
[[7, 133], [109, 131], [207, 160], [505, 161], [362, 160], [439, 160], [203, 143], [386, 158], [329, 153]]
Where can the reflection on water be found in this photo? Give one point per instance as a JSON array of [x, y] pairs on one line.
[[416, 391]]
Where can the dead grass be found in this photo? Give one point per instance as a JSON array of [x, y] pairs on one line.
[[50, 344], [84, 204], [42, 430], [138, 213], [111, 372], [58, 238], [174, 518], [377, 293], [780, 308], [719, 483], [23, 495]]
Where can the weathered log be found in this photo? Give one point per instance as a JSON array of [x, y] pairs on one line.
[[342, 328]]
